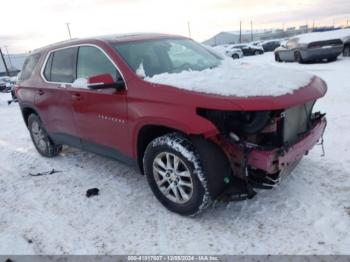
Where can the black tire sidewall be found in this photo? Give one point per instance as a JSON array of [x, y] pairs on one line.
[[298, 58], [51, 150], [277, 57], [191, 207]]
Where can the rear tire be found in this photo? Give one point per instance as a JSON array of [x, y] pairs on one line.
[[175, 174], [346, 51], [257, 52], [235, 56], [332, 59], [298, 58], [41, 140], [277, 58]]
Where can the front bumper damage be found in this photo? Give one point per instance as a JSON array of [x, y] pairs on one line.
[[255, 167], [272, 161]]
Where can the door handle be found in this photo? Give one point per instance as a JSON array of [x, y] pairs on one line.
[[76, 97], [40, 92]]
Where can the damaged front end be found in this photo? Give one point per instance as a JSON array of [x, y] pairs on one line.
[[264, 146]]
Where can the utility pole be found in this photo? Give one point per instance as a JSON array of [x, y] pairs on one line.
[[8, 56], [189, 28], [240, 32], [3, 60], [70, 36], [251, 31]]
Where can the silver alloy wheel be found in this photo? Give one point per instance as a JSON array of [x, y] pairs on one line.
[[173, 177], [39, 136]]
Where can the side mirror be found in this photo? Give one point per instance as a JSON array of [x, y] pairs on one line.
[[104, 81]]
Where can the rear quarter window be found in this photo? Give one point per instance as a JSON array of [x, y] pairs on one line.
[[28, 67]]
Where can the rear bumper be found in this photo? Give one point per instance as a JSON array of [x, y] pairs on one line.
[[321, 53], [273, 161]]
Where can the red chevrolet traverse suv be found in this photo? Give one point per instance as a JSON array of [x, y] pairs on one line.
[[194, 147]]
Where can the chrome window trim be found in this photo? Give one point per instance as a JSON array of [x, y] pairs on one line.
[[72, 46]]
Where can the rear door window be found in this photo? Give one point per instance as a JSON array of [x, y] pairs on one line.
[[29, 66], [63, 67]]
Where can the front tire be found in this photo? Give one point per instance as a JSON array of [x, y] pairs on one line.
[[298, 58], [277, 58], [235, 56], [346, 51], [41, 140], [175, 174], [332, 59]]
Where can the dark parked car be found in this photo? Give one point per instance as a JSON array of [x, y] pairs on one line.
[[5, 84], [270, 46], [194, 148], [302, 51], [248, 49], [346, 50], [2, 85]]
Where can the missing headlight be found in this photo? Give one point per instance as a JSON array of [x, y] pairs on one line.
[[240, 122]]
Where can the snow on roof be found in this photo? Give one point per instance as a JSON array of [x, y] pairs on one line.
[[322, 36], [233, 78], [248, 45]]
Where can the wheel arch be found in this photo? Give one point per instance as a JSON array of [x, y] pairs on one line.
[[145, 135], [146, 129], [27, 111]]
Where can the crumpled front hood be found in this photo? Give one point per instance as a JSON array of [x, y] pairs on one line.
[[237, 79]]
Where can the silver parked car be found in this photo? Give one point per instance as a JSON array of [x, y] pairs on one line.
[[229, 50], [296, 51]]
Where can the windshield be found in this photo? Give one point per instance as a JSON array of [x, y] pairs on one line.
[[153, 57]]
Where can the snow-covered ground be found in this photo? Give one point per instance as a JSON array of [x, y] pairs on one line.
[[309, 213]]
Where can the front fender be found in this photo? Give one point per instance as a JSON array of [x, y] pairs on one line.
[[183, 119]]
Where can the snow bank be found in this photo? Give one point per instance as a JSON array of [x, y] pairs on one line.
[[237, 79], [323, 36]]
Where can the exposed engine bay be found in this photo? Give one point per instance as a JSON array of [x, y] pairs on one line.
[[263, 146]]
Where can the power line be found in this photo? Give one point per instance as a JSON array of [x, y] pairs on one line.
[[70, 36], [189, 28], [8, 56], [240, 32], [251, 30], [3, 60]]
